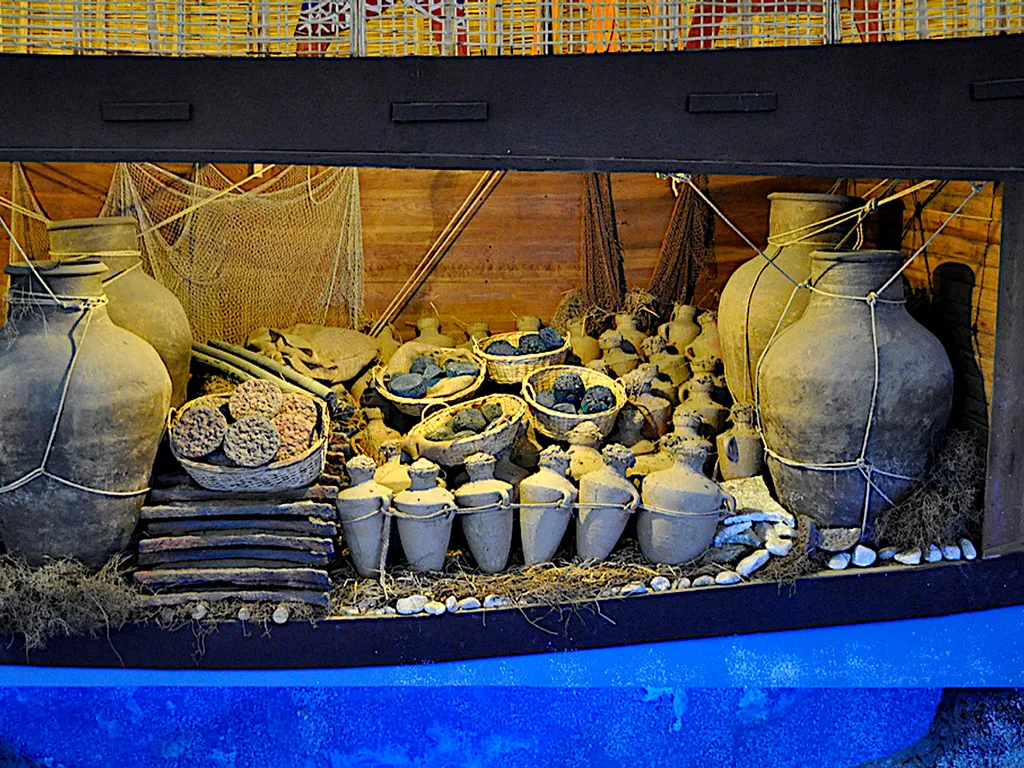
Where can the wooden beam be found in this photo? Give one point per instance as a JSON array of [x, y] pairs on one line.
[[1004, 490]]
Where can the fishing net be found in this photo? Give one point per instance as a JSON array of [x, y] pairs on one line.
[[604, 278], [287, 251], [688, 248], [29, 230]]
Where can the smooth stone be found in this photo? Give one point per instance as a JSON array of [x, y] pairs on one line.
[[727, 577], [913, 557], [760, 516], [199, 611], [839, 562], [951, 552], [752, 562], [469, 604], [764, 530], [934, 554], [779, 547], [887, 553], [451, 604], [434, 608], [660, 584], [783, 531], [390, 610], [683, 583], [726, 554], [280, 615], [970, 553], [244, 614], [412, 604], [493, 601], [349, 611], [863, 556], [633, 589], [704, 581], [754, 502], [837, 539]]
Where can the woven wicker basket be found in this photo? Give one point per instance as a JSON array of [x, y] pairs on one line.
[[300, 471], [510, 369], [555, 424], [498, 436], [414, 406]]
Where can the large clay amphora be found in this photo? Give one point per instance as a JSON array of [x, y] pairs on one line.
[[607, 499], [816, 386], [681, 507], [547, 498], [138, 303], [362, 508], [425, 516], [108, 393], [486, 513], [757, 293]]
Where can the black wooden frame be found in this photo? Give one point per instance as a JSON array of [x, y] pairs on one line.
[[950, 109]]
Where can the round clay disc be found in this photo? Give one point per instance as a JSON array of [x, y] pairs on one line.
[[252, 441], [198, 432], [296, 435], [294, 404], [257, 396]]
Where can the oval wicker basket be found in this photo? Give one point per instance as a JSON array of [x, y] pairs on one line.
[[555, 424], [300, 471], [498, 436], [510, 369], [414, 406]]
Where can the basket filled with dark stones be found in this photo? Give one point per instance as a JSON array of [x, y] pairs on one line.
[[442, 377], [511, 356], [561, 397], [452, 434]]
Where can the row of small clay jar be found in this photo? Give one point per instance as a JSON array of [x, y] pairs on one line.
[[676, 521]]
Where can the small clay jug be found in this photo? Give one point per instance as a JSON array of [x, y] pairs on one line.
[[393, 473], [663, 388], [585, 347], [672, 365], [428, 331], [682, 329], [697, 396], [629, 430], [388, 343], [505, 469], [620, 361], [425, 515], [487, 514], [547, 498], [377, 431], [584, 454], [607, 499], [476, 332], [528, 323], [652, 462], [708, 343], [712, 365], [740, 450], [626, 325], [687, 425], [362, 509], [681, 508], [657, 411]]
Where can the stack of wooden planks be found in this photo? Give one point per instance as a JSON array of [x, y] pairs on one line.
[[200, 546]]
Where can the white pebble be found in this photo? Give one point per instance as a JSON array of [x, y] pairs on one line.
[[244, 614], [839, 562], [493, 601], [199, 611], [434, 608], [970, 553], [912, 557], [349, 611], [469, 604], [390, 610], [752, 562], [683, 583], [281, 614], [863, 556], [660, 584], [934, 554], [951, 552], [778, 546], [731, 534], [633, 589], [727, 577], [887, 553], [759, 516], [451, 604], [704, 581], [407, 606]]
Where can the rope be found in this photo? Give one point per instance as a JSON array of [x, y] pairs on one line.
[[23, 210]]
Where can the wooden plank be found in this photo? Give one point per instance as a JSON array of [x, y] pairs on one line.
[[306, 525], [215, 540], [177, 511], [1004, 491], [289, 556], [229, 562], [164, 495], [297, 578], [319, 599]]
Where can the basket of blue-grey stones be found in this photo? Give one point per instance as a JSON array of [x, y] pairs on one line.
[[561, 397], [512, 356], [441, 377]]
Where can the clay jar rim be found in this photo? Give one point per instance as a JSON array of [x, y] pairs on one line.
[[822, 262], [817, 197], [57, 268]]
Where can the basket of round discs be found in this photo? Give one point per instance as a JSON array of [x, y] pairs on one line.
[[256, 439]]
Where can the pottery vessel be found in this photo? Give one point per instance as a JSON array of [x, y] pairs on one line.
[[584, 449], [362, 509], [688, 425], [740, 451], [475, 332], [696, 395], [528, 323], [547, 498], [682, 328], [115, 408], [681, 508], [674, 366], [614, 499], [657, 411], [626, 325], [137, 302], [428, 331], [614, 356], [377, 431], [488, 531], [425, 515], [816, 385], [585, 347], [510, 472], [392, 473]]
